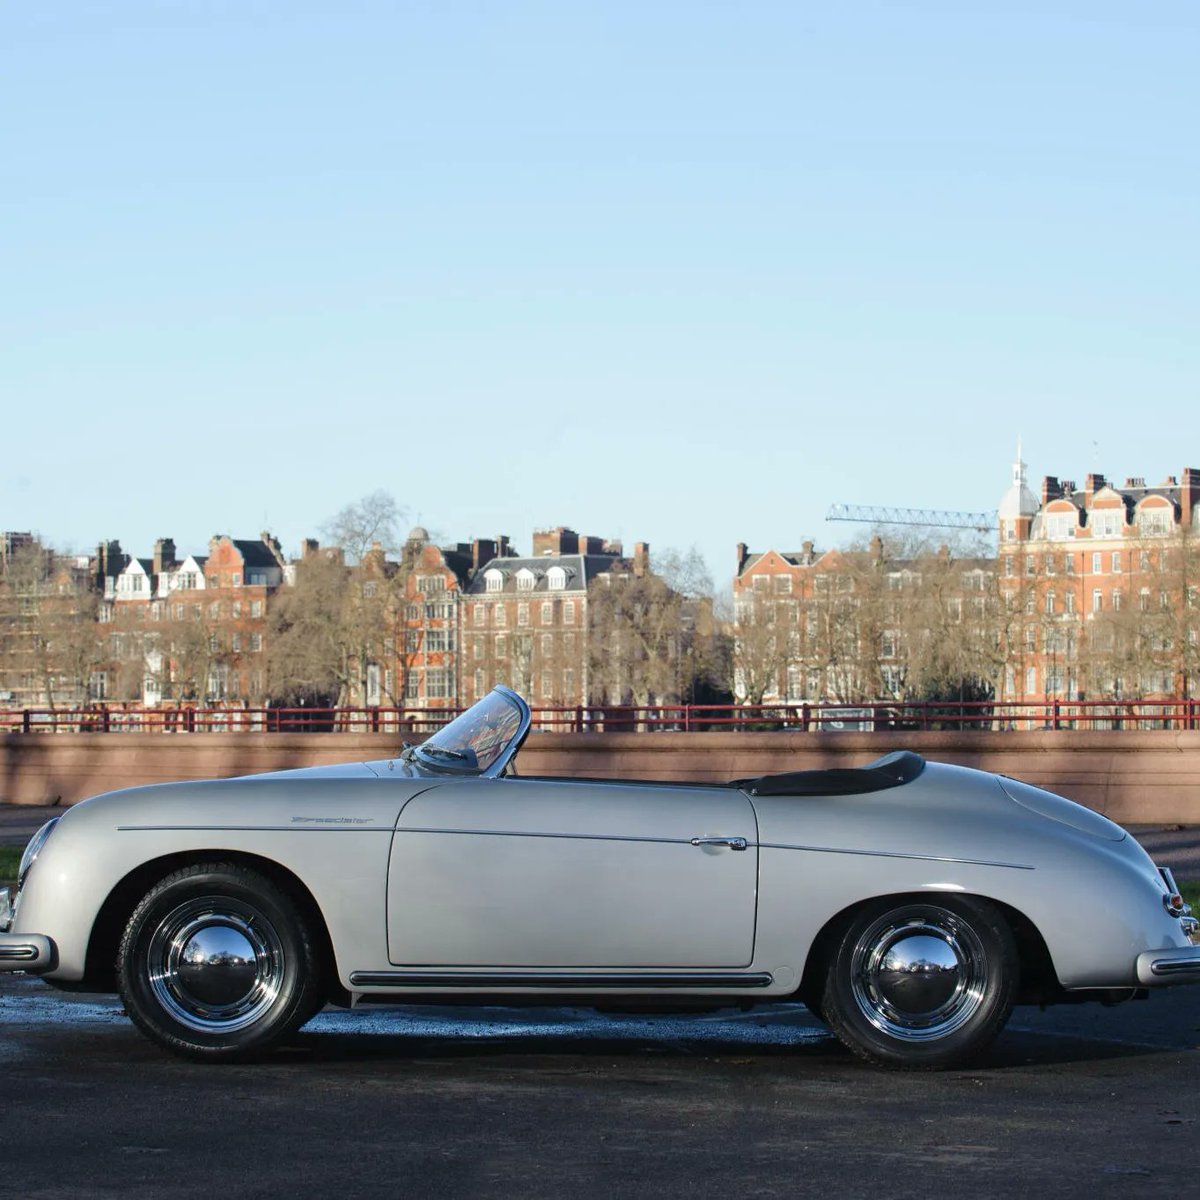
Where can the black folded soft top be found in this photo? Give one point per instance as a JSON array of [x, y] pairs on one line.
[[892, 770]]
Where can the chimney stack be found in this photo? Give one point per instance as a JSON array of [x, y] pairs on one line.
[[741, 556], [109, 561], [1189, 496], [641, 559], [164, 554], [1051, 489], [483, 550], [876, 548], [555, 542], [1094, 483]]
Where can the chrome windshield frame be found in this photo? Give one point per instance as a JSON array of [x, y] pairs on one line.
[[498, 766]]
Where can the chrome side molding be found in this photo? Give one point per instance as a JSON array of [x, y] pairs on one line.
[[560, 980]]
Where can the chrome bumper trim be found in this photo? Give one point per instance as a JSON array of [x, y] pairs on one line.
[[1160, 967], [26, 952]]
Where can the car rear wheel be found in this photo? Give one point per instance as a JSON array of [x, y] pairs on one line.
[[217, 962], [922, 984]]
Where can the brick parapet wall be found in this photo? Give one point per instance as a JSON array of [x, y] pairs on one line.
[[1132, 777]]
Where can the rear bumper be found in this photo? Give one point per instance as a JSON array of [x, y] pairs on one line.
[[1159, 968]]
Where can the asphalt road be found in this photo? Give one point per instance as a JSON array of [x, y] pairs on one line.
[[558, 1103]]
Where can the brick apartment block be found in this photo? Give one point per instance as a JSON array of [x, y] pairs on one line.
[[829, 625], [1105, 580], [191, 629], [1095, 594], [525, 619]]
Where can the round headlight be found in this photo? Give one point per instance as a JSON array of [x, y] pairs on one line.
[[33, 849]]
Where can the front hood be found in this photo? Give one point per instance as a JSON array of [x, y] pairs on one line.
[[355, 770], [1059, 808]]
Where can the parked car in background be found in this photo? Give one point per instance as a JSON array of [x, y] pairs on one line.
[[909, 904]]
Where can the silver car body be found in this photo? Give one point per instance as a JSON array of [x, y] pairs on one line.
[[432, 883]]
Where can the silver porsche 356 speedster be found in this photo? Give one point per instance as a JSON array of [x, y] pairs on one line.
[[908, 904]]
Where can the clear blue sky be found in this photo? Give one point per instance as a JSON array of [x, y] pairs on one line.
[[678, 272]]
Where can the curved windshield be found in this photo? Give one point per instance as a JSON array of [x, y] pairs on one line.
[[481, 740]]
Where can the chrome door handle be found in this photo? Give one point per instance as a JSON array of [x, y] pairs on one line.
[[734, 843]]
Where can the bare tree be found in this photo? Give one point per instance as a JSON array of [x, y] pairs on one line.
[[762, 644], [641, 625], [186, 649], [49, 643], [308, 656], [370, 523], [341, 617]]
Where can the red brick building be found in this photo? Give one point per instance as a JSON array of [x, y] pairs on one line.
[[191, 630], [855, 625], [525, 619], [423, 672], [1102, 583]]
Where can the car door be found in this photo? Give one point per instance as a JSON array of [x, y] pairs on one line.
[[547, 873]]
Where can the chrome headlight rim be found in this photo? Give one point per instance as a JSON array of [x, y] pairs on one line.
[[33, 849]]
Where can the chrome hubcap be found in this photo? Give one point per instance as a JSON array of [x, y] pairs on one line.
[[215, 964], [919, 973]]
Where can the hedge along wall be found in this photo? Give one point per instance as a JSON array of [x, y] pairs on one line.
[[1132, 777]]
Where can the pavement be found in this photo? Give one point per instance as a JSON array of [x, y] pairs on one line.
[[544, 1103]]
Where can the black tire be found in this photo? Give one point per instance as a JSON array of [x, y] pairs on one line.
[[921, 984], [218, 963]]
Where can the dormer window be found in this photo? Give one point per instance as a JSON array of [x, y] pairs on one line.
[[525, 580], [1155, 522], [1106, 524], [1060, 526], [494, 580], [556, 579]]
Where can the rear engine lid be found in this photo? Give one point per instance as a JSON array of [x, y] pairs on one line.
[[1059, 808]]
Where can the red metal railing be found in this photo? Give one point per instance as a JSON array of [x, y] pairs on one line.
[[880, 716]]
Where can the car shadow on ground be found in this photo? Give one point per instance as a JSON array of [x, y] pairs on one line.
[[455, 1037], [38, 1021]]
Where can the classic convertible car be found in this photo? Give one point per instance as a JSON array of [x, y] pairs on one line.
[[908, 904]]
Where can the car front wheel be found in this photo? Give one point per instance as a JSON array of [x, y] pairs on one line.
[[218, 963], [922, 984]]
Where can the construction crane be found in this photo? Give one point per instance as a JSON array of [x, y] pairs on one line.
[[933, 518]]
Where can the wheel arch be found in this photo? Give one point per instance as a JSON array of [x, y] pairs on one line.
[[118, 906], [1038, 983]]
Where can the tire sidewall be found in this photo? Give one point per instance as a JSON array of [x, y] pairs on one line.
[[217, 882], [841, 1010]]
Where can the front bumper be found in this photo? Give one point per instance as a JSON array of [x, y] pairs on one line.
[[26, 952], [32, 952]]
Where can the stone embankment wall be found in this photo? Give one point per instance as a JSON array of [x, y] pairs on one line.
[[1132, 777]]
